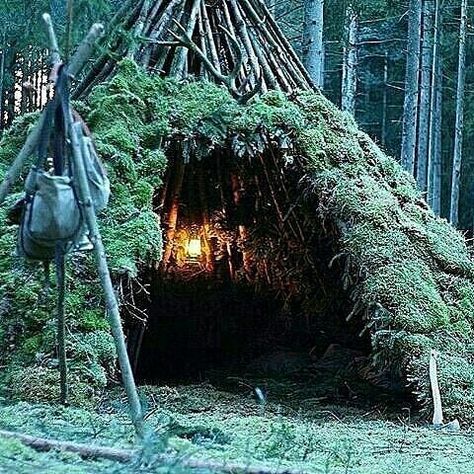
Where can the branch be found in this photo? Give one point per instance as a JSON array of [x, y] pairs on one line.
[[85, 48], [239, 61], [55, 56], [185, 40], [126, 455]]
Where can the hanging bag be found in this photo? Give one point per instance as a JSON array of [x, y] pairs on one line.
[[52, 216], [99, 184]]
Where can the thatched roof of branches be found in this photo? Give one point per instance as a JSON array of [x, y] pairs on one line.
[[407, 274], [233, 42]]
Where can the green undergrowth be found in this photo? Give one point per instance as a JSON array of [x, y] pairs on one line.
[[217, 427], [411, 274]]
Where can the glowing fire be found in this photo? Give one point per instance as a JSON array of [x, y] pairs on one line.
[[194, 248]]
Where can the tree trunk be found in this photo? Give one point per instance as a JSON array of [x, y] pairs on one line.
[[437, 134], [384, 101], [457, 156], [410, 108], [349, 68], [2, 79], [313, 39], [434, 133], [426, 70], [11, 104]]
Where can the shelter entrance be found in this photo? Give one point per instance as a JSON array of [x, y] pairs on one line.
[[248, 278]]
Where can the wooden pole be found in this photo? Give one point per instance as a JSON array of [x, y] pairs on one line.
[[85, 48], [437, 408], [173, 212], [61, 322], [54, 48], [79, 154]]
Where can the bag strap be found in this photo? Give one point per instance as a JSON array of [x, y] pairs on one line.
[[56, 118], [45, 135], [60, 148]]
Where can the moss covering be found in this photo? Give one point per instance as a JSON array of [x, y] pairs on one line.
[[202, 422], [132, 237], [413, 272]]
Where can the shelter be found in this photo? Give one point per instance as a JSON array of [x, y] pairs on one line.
[[268, 197]]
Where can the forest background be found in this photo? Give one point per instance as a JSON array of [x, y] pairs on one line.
[[403, 68]]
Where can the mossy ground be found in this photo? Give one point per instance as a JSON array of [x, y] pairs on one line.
[[410, 272], [202, 421]]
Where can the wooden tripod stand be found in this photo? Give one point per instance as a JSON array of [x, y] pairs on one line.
[[80, 154]]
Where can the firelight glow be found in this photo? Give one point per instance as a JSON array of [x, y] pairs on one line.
[[194, 248]]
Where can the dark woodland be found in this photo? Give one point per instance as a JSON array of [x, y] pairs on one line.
[[236, 236]]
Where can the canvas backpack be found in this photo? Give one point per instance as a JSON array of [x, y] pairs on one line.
[[52, 216]]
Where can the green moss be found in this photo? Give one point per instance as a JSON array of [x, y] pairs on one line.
[[411, 270], [132, 235], [416, 272], [408, 291], [40, 384]]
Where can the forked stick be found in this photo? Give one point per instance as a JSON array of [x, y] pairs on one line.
[[228, 80]]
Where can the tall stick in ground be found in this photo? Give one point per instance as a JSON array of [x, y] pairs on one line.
[[80, 153]]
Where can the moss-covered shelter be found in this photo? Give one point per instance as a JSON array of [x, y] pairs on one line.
[[251, 186]]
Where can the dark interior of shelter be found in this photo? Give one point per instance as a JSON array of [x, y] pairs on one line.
[[250, 280]]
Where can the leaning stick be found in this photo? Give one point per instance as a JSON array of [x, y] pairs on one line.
[[286, 44], [84, 50], [53, 42], [438, 411], [15, 170], [80, 154], [89, 451], [210, 37], [78, 61]]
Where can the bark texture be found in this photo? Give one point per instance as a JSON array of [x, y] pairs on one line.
[[410, 108], [313, 50], [349, 70], [457, 156], [435, 131], [426, 68]]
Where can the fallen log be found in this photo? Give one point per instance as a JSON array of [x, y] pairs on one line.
[[86, 451], [122, 455]]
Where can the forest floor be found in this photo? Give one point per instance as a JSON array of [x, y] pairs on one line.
[[222, 425]]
